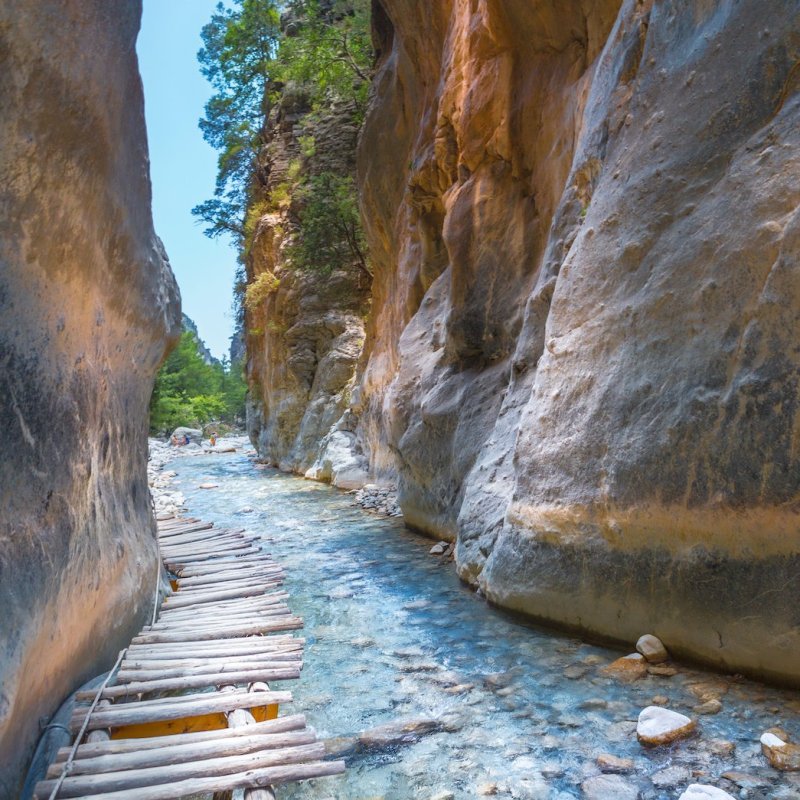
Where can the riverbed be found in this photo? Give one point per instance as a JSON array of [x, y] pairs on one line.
[[516, 711]]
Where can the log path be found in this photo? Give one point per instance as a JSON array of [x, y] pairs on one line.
[[190, 709]]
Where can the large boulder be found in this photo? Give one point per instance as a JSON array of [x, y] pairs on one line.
[[89, 305], [582, 356]]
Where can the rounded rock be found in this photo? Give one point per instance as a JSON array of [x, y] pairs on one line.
[[658, 726], [652, 648], [699, 792]]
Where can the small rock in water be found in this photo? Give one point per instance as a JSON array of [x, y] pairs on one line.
[[340, 594], [659, 726], [609, 787], [721, 747], [628, 668], [662, 670], [208, 486], [781, 754], [660, 700], [699, 792], [670, 776], [246, 510], [443, 796], [438, 549], [712, 706], [487, 789], [652, 648], [593, 704], [609, 763], [394, 733]]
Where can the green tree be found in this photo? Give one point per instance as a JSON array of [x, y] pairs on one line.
[[327, 49], [239, 48], [331, 235], [189, 391]]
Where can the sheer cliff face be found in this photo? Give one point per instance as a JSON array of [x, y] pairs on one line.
[[583, 357], [88, 305], [305, 338]]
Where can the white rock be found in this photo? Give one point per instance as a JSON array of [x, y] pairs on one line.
[[771, 740], [609, 787], [699, 792], [438, 549], [658, 726], [652, 648]]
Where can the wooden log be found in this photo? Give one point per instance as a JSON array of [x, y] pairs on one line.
[[289, 623], [294, 722], [148, 686], [220, 577], [227, 561], [168, 708], [256, 582], [228, 647], [262, 776], [208, 768], [200, 667], [192, 599], [203, 536], [177, 754], [244, 644], [212, 622], [242, 718], [255, 604], [189, 560], [215, 546], [220, 546], [176, 529]]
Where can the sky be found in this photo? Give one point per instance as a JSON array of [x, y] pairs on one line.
[[182, 165]]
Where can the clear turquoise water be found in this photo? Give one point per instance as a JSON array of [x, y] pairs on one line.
[[389, 628]]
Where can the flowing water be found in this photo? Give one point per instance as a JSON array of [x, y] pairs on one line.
[[523, 713]]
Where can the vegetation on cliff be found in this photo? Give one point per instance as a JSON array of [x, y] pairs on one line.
[[316, 55], [190, 391]]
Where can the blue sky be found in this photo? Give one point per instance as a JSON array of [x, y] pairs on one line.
[[182, 165]]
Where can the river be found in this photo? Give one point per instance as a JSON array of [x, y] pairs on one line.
[[523, 712]]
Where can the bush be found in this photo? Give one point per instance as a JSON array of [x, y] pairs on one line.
[[259, 290]]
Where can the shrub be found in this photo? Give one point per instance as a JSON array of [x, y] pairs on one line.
[[260, 289]]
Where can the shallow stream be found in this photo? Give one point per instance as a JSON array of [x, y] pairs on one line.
[[524, 713]]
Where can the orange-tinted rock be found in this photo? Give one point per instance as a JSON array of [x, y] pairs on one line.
[[628, 668], [581, 361], [88, 306]]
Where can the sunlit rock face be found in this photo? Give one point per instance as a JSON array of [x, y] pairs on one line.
[[305, 337], [583, 355], [88, 307]]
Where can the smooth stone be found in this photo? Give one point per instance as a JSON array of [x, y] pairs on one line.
[[628, 668], [652, 648], [443, 796], [208, 486], [745, 780], [438, 549], [400, 732], [699, 792], [671, 776], [593, 704], [487, 789], [610, 763], [781, 754], [608, 787], [658, 726], [662, 670], [709, 707]]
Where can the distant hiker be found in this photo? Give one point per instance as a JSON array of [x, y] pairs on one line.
[[213, 439]]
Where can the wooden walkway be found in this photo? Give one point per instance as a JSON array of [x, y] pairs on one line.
[[188, 709]]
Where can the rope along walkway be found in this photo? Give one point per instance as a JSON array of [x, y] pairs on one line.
[[189, 709]]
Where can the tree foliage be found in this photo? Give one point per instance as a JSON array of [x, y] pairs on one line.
[[327, 49], [238, 54], [189, 391], [331, 235]]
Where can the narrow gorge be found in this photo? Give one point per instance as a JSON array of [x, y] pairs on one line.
[[521, 277], [581, 359]]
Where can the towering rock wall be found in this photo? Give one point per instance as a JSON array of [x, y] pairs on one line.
[[583, 358], [88, 306], [305, 333]]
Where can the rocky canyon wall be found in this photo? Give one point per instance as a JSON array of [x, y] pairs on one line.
[[583, 356], [88, 307], [305, 332]]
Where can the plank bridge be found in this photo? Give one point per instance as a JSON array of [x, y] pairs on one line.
[[188, 708]]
